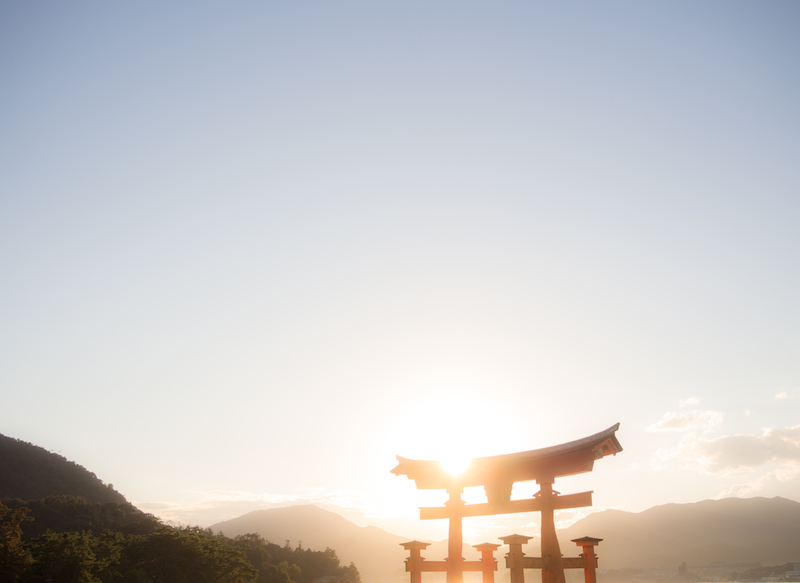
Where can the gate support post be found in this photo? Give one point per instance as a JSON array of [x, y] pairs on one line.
[[414, 561], [553, 570], [487, 558], [455, 558], [515, 558], [587, 544]]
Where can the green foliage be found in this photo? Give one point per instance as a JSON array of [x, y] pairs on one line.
[[14, 558], [167, 555], [70, 539], [59, 522], [184, 555], [316, 564], [277, 564], [257, 551], [74, 514], [79, 557], [351, 574]]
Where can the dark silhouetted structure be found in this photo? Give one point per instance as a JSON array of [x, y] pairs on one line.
[[497, 475]]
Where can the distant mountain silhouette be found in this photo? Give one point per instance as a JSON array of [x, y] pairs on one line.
[[733, 530], [30, 472], [377, 553]]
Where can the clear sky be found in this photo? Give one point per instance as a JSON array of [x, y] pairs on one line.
[[249, 251]]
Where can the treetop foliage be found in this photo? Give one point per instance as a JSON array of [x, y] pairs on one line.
[[119, 546], [58, 522]]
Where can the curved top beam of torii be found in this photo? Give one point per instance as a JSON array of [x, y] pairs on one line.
[[544, 464]]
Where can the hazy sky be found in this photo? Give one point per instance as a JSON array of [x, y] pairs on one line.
[[252, 250]]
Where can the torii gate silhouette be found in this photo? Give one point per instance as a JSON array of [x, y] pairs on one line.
[[497, 475]]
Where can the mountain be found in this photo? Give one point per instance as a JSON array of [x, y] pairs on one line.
[[376, 553], [732, 530], [31, 472]]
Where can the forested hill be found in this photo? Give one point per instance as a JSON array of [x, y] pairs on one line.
[[31, 473], [58, 522]]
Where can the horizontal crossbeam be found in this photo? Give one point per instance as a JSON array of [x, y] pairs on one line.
[[540, 563], [442, 566], [559, 502]]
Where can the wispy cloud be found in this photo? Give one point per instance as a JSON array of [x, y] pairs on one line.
[[686, 420], [731, 454], [757, 486], [567, 518], [690, 402], [788, 394]]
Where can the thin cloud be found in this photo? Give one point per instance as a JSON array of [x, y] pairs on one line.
[[686, 420], [567, 518], [757, 486], [691, 401], [790, 394], [730, 454]]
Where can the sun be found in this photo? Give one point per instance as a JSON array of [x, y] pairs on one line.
[[455, 465], [452, 427]]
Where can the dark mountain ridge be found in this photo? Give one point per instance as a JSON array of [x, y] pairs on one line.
[[60, 523], [731, 530], [30, 472]]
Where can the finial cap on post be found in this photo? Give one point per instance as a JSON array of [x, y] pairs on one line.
[[515, 539], [587, 541], [415, 545]]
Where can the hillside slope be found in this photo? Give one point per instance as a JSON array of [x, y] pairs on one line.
[[377, 553], [32, 473], [733, 530]]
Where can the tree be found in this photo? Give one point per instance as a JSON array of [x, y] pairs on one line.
[[14, 557], [187, 555], [351, 574], [77, 557]]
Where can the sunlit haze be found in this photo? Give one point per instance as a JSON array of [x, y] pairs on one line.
[[251, 252], [455, 466]]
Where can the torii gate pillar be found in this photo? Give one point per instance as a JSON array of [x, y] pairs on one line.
[[587, 545], [553, 570], [487, 558], [515, 559], [455, 540], [414, 562]]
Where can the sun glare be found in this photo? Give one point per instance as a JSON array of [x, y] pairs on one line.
[[452, 427], [455, 466]]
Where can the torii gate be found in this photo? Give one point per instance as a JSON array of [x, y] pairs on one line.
[[497, 474]]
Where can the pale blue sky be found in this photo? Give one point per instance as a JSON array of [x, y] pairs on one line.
[[247, 247]]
